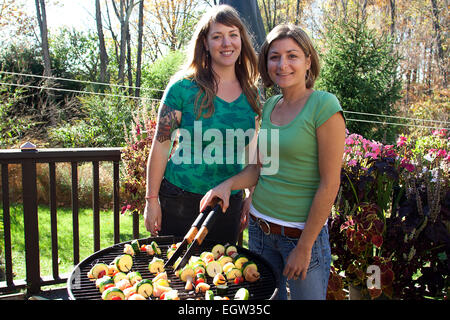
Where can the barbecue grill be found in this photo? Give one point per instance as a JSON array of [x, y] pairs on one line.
[[81, 288]]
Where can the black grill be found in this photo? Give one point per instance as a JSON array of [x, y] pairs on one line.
[[81, 288]]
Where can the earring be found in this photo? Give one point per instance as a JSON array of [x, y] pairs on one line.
[[239, 59]]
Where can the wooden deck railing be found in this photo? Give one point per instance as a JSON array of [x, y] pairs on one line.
[[28, 160]]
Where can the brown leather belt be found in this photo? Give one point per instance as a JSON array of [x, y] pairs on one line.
[[272, 228]]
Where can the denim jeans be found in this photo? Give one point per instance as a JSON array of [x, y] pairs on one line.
[[276, 248], [180, 208]]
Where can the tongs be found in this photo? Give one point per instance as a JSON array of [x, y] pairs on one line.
[[194, 236]]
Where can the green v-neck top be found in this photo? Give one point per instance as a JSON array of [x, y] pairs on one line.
[[207, 153], [288, 193]]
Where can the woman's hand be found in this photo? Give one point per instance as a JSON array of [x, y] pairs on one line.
[[152, 216], [297, 263], [222, 191], [245, 213]]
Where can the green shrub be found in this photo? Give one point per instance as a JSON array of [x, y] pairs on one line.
[[103, 127], [157, 75], [12, 127], [361, 69]]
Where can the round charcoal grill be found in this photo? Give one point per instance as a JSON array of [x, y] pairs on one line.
[[80, 287]]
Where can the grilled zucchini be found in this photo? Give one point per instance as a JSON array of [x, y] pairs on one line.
[[213, 268], [233, 273], [144, 288], [156, 265], [98, 271], [218, 250], [113, 293], [239, 261], [124, 262]]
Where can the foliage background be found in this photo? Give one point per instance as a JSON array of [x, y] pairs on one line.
[[379, 57]]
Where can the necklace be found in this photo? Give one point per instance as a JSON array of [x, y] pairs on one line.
[[284, 104]]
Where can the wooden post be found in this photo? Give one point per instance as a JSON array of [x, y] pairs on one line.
[[30, 220]]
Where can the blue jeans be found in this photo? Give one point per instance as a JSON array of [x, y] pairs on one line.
[[276, 248]]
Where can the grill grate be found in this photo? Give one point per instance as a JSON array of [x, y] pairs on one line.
[[81, 288]]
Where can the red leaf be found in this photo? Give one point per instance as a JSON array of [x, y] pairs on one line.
[[377, 240]]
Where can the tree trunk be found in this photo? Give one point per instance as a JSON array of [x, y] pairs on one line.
[[42, 21], [297, 12], [123, 36], [440, 51], [249, 11], [429, 75], [104, 76], [123, 14], [113, 35], [129, 64], [364, 10], [268, 13], [408, 87], [344, 9], [392, 4], [139, 49]]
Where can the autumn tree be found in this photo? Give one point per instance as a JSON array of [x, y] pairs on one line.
[[170, 25], [15, 22], [123, 13], [439, 40], [274, 12]]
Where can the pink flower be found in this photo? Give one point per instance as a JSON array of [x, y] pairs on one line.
[[349, 141], [405, 163], [389, 151], [352, 163], [376, 148], [441, 133], [441, 153], [125, 208], [401, 141], [373, 155]]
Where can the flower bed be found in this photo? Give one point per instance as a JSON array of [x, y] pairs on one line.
[[392, 212]]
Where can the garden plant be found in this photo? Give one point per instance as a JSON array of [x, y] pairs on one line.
[[393, 212]]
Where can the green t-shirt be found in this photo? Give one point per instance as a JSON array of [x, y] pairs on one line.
[[210, 149], [288, 194]]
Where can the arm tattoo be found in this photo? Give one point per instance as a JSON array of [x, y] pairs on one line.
[[167, 123]]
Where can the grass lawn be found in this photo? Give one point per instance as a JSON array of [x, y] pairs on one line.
[[65, 232], [65, 235]]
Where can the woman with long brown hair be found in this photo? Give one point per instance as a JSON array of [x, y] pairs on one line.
[[213, 96]]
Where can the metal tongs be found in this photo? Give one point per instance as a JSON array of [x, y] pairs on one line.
[[194, 236]]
